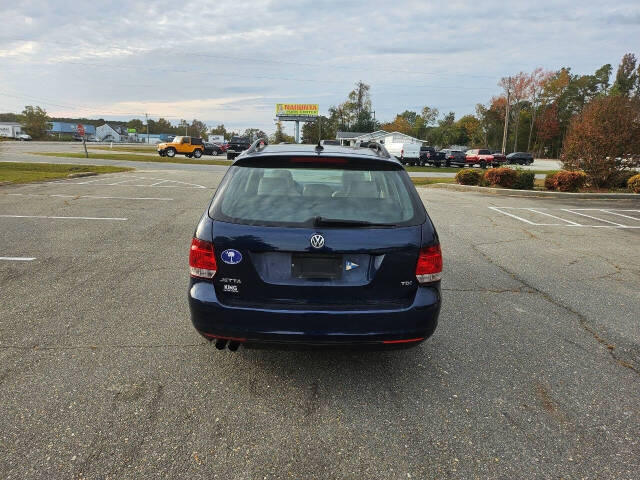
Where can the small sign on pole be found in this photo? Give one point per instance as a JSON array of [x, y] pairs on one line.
[[81, 132]]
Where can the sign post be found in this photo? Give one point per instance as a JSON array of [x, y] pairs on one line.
[[80, 130], [297, 112]]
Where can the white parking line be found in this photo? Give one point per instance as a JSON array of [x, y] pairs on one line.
[[520, 218], [18, 259], [130, 178], [64, 218], [574, 211], [87, 196], [594, 218], [553, 216], [621, 215]]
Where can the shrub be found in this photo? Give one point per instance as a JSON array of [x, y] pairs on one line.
[[550, 181], [634, 184], [524, 180], [501, 177], [468, 176], [622, 179], [565, 181]]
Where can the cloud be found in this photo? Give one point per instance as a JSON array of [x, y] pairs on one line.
[[230, 61]]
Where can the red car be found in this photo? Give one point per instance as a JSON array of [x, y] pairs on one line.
[[498, 158], [481, 156]]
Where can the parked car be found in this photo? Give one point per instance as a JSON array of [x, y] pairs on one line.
[[520, 158], [212, 149], [237, 145], [187, 146], [498, 158], [23, 137], [430, 156], [479, 156], [315, 245], [454, 158]]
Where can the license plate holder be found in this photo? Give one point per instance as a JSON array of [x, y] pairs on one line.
[[314, 266]]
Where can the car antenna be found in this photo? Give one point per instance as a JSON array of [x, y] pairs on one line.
[[319, 147]]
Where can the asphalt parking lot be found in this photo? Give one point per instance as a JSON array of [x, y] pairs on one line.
[[533, 372]]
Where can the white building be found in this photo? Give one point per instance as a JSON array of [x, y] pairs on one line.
[[381, 136], [107, 133]]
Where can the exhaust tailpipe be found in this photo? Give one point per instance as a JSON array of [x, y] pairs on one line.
[[221, 343]]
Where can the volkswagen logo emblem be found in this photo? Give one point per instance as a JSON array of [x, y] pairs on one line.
[[317, 241]]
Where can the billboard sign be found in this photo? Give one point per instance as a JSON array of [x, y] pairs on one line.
[[296, 109]]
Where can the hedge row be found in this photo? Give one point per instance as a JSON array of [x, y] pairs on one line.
[[497, 177], [562, 181]]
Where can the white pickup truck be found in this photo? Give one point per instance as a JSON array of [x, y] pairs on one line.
[[408, 153]]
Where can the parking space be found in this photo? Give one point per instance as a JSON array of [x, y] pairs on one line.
[[532, 373], [574, 217]]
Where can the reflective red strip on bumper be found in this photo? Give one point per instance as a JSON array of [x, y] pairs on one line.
[[405, 340]]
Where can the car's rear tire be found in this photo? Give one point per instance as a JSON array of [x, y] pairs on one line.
[[197, 153], [214, 152], [171, 152], [447, 164]]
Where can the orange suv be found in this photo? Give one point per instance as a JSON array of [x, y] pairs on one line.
[[187, 146]]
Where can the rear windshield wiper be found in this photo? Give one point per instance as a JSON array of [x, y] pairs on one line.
[[337, 222]]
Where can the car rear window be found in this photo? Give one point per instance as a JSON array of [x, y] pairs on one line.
[[296, 196]]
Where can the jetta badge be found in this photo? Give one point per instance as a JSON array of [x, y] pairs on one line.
[[231, 256], [317, 241]]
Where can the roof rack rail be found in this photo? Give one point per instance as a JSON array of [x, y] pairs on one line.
[[375, 146], [257, 146]]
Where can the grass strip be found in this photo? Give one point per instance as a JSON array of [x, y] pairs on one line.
[[135, 158], [19, 172]]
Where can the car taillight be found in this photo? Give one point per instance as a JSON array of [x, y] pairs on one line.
[[429, 266], [202, 259]]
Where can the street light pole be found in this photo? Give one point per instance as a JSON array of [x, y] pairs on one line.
[[506, 118], [147, 117]]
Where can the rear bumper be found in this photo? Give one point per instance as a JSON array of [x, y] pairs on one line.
[[396, 328]]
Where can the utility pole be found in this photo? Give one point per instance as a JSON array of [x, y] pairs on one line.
[[506, 118], [147, 117]]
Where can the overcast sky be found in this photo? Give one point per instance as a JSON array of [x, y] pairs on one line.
[[231, 61]]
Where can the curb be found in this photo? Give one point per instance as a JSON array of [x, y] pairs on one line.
[[510, 192]]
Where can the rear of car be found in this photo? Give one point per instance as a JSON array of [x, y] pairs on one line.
[[237, 145], [520, 158], [329, 249], [479, 156], [431, 156], [454, 158]]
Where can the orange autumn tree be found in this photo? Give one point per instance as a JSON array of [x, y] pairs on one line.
[[606, 129]]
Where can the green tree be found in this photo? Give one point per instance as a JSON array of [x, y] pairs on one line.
[[279, 136], [626, 77], [137, 124], [198, 128], [254, 133], [35, 121], [322, 129]]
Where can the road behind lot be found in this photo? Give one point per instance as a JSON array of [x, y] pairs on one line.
[[534, 371]]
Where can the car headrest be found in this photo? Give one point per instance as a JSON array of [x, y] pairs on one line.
[[363, 190], [277, 186], [316, 190]]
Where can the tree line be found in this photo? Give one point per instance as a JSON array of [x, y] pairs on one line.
[[540, 106]]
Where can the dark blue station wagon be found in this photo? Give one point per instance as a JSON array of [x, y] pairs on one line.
[[306, 245]]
